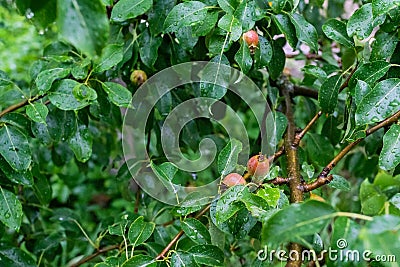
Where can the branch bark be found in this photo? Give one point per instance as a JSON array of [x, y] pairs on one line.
[[94, 255]]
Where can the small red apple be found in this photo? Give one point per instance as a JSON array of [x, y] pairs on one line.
[[233, 179], [258, 166], [251, 39]]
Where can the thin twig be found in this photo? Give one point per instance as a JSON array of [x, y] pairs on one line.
[[300, 135], [178, 235], [94, 255], [277, 154], [278, 181], [299, 90], [324, 177], [13, 108]]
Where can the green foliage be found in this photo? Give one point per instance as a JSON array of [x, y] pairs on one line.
[[69, 150]]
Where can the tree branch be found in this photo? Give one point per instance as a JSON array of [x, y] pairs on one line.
[[300, 135], [324, 177], [20, 105], [94, 255], [278, 181], [178, 235], [296, 194], [303, 91]]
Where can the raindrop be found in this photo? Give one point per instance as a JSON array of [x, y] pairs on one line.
[[375, 119]]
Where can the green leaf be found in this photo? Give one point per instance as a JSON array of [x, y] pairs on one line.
[[81, 143], [369, 72], [18, 177], [183, 259], [126, 9], [41, 187], [270, 194], [37, 112], [277, 5], [381, 102], [46, 78], [380, 7], [319, 149], [196, 231], [208, 24], [228, 204], [140, 261], [361, 23], [296, 220], [84, 24], [228, 157], [390, 154], [229, 6], [61, 125], [329, 92], [383, 46], [245, 14], [277, 63], [305, 31], [63, 98], [340, 183], [16, 257], [287, 28], [263, 54], [186, 39], [149, 45], [15, 148], [117, 94], [215, 78], [395, 200], [362, 88], [10, 209], [185, 14], [208, 255], [336, 30], [111, 55], [274, 134], [165, 173], [243, 58], [140, 231], [232, 25], [158, 13], [372, 200]]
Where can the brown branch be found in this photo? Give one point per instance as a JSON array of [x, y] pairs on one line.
[[178, 235], [296, 194], [277, 154], [13, 108], [278, 181], [346, 82], [94, 255], [300, 135], [324, 177], [302, 91]]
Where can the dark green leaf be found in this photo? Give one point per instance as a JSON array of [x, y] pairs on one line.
[[228, 204], [389, 157], [208, 24], [10, 209], [372, 201], [61, 125], [63, 98], [287, 28], [361, 23], [19, 177], [165, 173], [369, 72], [383, 46], [81, 143], [231, 25], [340, 183], [215, 78], [229, 6], [245, 14], [16, 257], [305, 31], [380, 102], [186, 38], [46, 78], [208, 255], [84, 24], [362, 88], [140, 261], [157, 15], [243, 58], [111, 55], [14, 147], [277, 63], [41, 187], [37, 112], [196, 231], [329, 92], [117, 94], [336, 30], [319, 149], [149, 45], [228, 157], [140, 231], [185, 14], [380, 7], [183, 259], [263, 54], [296, 220], [126, 9]]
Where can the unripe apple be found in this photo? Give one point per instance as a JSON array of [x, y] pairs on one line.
[[258, 166], [138, 77], [251, 39], [233, 179]]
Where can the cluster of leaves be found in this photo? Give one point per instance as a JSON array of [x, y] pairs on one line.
[[64, 188]]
